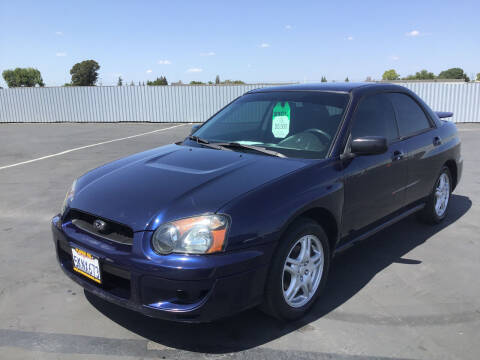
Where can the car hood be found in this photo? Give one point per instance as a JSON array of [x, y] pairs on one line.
[[172, 182]]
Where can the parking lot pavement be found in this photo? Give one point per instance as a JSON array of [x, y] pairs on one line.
[[409, 292]]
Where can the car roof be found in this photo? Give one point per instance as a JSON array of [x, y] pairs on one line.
[[340, 87]]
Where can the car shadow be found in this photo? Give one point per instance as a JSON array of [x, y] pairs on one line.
[[350, 272]]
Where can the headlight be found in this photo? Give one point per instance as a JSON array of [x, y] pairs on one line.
[[195, 235], [69, 197]]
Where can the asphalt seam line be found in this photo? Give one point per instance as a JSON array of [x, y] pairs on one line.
[[88, 146]]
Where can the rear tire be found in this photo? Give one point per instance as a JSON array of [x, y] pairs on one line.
[[298, 272], [436, 208]]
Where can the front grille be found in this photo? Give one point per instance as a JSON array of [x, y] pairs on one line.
[[114, 231]]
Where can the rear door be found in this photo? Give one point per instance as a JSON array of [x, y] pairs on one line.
[[374, 184], [421, 141]]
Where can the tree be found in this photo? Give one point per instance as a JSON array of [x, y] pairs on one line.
[[28, 77], [85, 73], [120, 81], [390, 75], [478, 77], [196, 83], [162, 80], [324, 79], [421, 75], [346, 79], [453, 73], [132, 83], [217, 80], [233, 82]]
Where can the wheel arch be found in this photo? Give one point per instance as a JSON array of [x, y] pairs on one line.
[[324, 218], [452, 166]]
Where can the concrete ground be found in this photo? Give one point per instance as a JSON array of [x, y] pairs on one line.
[[410, 292]]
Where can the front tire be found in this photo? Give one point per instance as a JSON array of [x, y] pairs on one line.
[[299, 271], [436, 208]]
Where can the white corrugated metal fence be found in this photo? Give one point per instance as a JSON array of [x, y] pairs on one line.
[[183, 103]]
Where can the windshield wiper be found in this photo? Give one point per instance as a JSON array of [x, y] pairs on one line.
[[204, 142], [234, 145], [198, 140], [259, 149]]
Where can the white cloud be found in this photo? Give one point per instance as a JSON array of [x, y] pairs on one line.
[[210, 53], [148, 71], [264, 45], [194, 70], [61, 54], [413, 33], [349, 38], [164, 62], [394, 57], [288, 27], [59, 33]]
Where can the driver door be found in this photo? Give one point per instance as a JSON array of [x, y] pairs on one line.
[[374, 184]]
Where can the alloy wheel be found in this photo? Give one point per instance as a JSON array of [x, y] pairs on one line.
[[442, 194], [302, 271]]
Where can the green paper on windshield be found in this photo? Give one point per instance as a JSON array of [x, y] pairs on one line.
[[281, 120]]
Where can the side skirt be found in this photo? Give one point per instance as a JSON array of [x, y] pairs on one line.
[[378, 228]]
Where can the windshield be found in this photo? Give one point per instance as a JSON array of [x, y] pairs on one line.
[[297, 124]]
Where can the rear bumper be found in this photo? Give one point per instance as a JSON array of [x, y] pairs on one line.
[[223, 284]]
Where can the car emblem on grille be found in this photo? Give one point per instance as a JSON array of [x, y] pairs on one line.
[[100, 225]]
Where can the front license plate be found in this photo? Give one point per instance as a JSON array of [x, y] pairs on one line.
[[86, 264]]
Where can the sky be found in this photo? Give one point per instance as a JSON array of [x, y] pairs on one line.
[[254, 41]]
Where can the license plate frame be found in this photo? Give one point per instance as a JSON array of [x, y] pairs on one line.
[[86, 264]]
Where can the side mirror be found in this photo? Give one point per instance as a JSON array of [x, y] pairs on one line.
[[195, 128], [369, 145]]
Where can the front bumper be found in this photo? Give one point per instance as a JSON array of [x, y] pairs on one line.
[[197, 288]]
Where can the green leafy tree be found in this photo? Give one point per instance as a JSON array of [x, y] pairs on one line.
[[324, 79], [120, 81], [453, 73], [478, 77], [159, 81], [233, 82], [85, 73], [421, 75], [28, 77], [346, 79], [390, 75], [196, 83], [217, 80]]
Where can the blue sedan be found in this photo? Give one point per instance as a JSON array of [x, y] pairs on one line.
[[251, 208]]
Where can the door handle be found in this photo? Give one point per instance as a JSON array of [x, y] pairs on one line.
[[437, 141], [398, 155]]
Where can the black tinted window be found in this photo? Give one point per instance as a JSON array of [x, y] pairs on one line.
[[375, 117], [410, 117]]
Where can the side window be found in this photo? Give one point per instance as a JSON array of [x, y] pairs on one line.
[[410, 117], [374, 116]]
